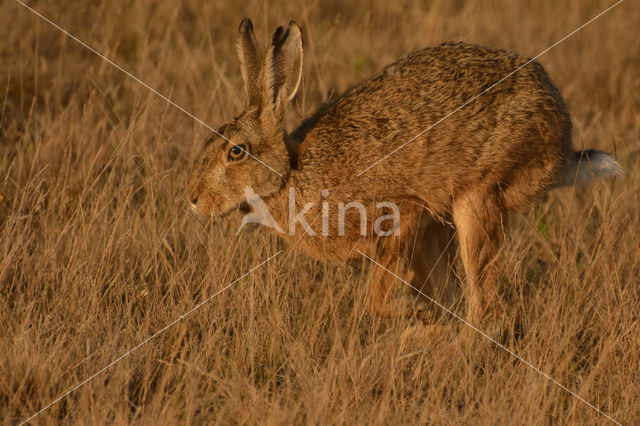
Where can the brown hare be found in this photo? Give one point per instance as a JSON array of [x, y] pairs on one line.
[[495, 154]]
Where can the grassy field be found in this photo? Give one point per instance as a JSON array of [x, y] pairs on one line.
[[99, 251]]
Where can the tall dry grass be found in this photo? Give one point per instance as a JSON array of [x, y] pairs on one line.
[[98, 250]]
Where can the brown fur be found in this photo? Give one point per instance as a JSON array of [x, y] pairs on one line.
[[496, 154]]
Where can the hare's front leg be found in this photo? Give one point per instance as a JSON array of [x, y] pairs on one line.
[[478, 219], [433, 263], [389, 276]]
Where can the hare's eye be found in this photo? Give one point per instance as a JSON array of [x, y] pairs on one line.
[[237, 152]]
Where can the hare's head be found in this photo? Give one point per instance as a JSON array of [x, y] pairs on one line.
[[250, 151]]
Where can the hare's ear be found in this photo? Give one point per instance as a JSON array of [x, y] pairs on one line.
[[250, 62], [282, 68]]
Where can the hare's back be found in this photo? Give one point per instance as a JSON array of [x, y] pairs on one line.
[[434, 93], [434, 81]]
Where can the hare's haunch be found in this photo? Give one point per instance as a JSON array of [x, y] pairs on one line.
[[495, 154]]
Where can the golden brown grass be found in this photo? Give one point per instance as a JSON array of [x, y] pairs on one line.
[[98, 250]]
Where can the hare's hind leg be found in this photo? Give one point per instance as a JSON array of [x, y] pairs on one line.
[[478, 217]]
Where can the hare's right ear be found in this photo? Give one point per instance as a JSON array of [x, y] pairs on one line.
[[250, 62], [281, 69]]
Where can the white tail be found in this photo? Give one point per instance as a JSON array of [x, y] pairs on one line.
[[586, 166]]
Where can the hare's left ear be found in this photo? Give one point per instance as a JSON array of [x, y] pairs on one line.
[[250, 62], [281, 68]]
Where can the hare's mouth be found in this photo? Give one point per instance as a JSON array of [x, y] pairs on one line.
[[194, 209], [216, 212], [242, 207], [204, 211]]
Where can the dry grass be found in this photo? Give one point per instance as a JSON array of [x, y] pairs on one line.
[[98, 250]]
